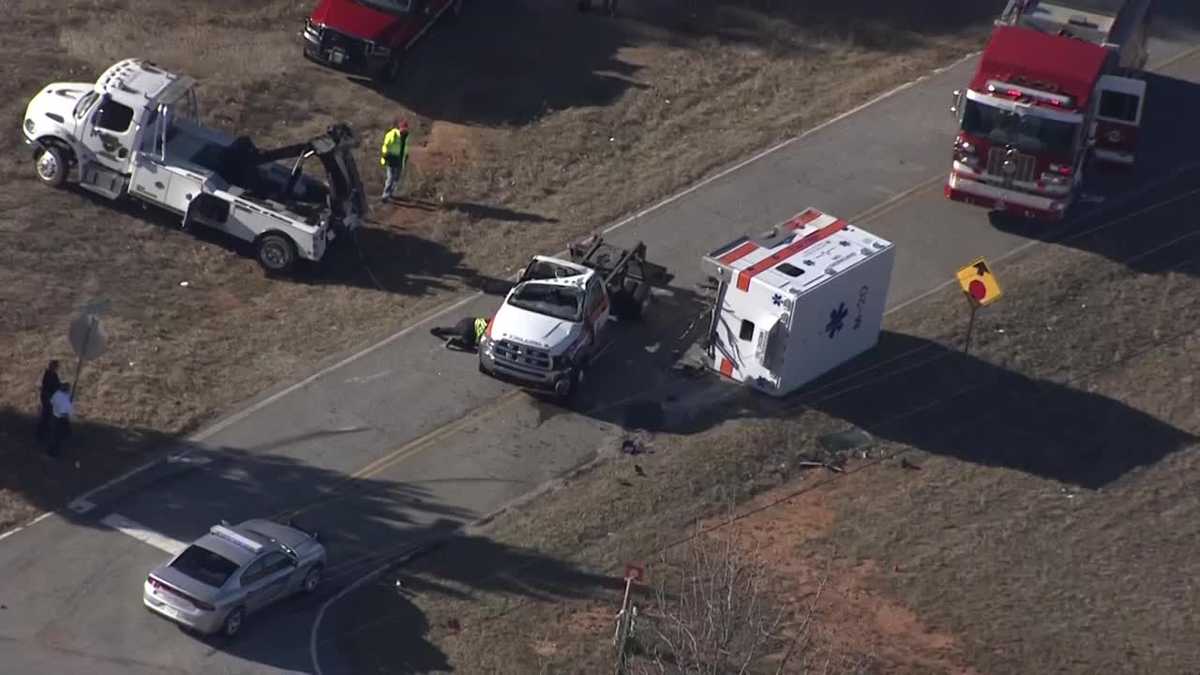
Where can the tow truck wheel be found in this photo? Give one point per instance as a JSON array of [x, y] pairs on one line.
[[276, 253], [50, 163]]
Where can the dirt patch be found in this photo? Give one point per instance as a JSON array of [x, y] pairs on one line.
[[854, 615]]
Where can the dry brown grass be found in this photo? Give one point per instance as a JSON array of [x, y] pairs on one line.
[[676, 96]]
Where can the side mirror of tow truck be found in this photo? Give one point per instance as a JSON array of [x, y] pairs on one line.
[[956, 103]]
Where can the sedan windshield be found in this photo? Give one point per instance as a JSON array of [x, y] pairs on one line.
[[560, 302], [1027, 131], [390, 6], [205, 566]]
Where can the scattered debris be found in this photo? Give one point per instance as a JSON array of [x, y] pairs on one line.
[[820, 465], [905, 464], [184, 284], [638, 470]]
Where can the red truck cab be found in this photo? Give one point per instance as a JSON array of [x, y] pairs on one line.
[[369, 37]]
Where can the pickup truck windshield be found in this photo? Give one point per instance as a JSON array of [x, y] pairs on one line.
[[390, 6], [560, 302], [1028, 132]]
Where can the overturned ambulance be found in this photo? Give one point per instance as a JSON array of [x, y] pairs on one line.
[[796, 302]]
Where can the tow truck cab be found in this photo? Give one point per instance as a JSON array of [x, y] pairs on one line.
[[369, 37], [136, 133], [548, 326]]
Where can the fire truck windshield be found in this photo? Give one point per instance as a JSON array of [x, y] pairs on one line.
[[1026, 131]]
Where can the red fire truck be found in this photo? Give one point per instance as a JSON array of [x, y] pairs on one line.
[[1057, 83], [369, 37]]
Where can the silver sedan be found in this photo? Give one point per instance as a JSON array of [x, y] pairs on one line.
[[232, 571]]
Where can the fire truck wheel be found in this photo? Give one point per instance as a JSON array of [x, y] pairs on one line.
[[390, 72], [276, 253], [51, 165]]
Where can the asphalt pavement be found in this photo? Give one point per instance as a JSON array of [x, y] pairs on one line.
[[406, 443]]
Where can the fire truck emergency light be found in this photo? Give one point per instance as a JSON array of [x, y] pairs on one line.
[[1016, 91]]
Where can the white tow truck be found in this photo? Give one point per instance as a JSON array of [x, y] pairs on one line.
[[552, 321], [135, 132]]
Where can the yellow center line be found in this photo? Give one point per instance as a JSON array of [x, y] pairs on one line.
[[409, 449], [897, 199], [1174, 59]]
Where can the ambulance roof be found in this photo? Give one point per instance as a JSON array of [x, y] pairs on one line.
[[808, 249]]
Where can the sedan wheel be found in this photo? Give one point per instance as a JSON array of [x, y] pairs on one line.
[[233, 622], [312, 579]]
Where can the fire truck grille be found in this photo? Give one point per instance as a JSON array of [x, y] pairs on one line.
[[1025, 165], [520, 357], [353, 47]]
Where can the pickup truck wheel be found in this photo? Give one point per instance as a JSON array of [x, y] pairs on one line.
[[276, 253], [565, 388], [50, 163]]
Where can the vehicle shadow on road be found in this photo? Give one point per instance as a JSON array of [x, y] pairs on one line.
[[937, 399], [384, 626], [1145, 207], [934, 398], [491, 66], [386, 259], [365, 524]]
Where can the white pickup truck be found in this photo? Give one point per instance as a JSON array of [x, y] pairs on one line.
[[135, 132], [550, 326]]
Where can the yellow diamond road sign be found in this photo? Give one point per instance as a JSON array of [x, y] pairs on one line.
[[979, 283]]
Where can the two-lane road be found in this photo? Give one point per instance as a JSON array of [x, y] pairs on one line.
[[407, 441]]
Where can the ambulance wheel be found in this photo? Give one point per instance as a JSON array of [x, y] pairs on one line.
[[276, 253], [50, 164]]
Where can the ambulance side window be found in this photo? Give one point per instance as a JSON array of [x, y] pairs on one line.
[[747, 332]]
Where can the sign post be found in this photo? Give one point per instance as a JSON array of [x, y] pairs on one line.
[[981, 288], [634, 574], [87, 338]]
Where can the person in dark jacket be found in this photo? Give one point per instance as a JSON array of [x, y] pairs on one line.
[[464, 335], [50, 384]]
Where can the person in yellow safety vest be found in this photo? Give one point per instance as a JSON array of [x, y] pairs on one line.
[[464, 335], [394, 156]]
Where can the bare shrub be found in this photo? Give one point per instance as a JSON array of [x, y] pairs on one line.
[[715, 611]]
